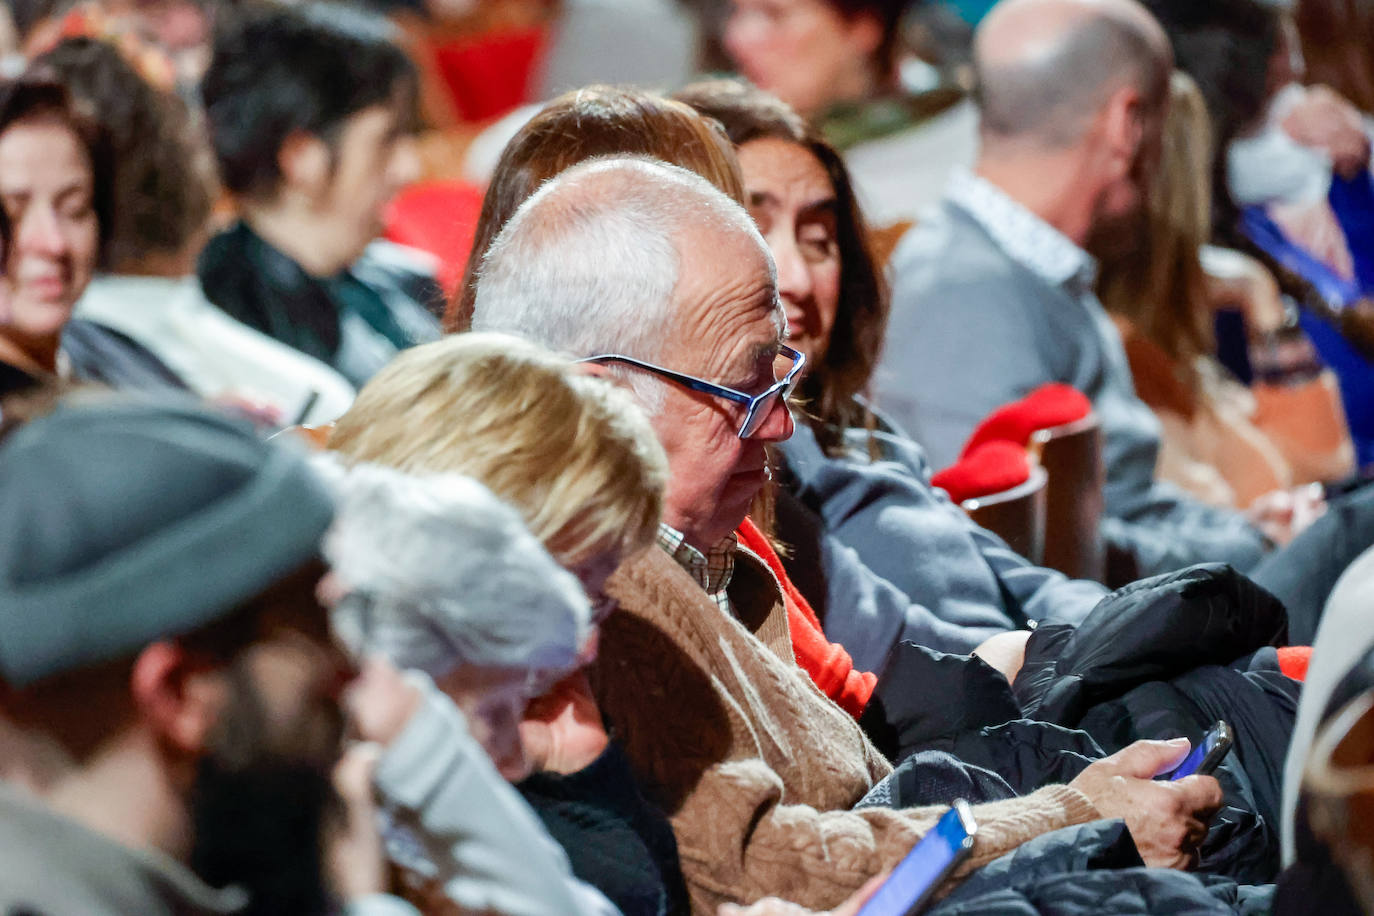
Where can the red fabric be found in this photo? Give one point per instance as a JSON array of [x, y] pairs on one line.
[[1049, 405], [491, 75], [439, 217], [828, 664], [1293, 661], [990, 468]]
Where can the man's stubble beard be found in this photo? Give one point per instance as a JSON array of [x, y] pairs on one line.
[[260, 811]]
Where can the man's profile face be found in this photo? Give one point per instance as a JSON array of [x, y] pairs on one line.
[[1121, 212], [727, 329], [373, 158], [263, 791]]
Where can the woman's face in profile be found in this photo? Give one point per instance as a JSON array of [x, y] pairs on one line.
[[47, 190]]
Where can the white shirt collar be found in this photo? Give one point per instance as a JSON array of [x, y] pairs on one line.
[[1025, 237]]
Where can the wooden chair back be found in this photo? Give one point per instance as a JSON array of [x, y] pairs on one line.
[[1072, 457], [1338, 784], [1017, 515]]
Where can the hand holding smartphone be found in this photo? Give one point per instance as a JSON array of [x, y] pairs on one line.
[[914, 881], [1207, 755]]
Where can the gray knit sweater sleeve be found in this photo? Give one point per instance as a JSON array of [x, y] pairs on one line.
[[487, 849]]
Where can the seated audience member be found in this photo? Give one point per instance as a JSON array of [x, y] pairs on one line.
[[869, 485], [757, 770], [169, 690], [435, 574], [1214, 441], [56, 191], [163, 192], [577, 459], [309, 112], [993, 295], [839, 64], [598, 121]]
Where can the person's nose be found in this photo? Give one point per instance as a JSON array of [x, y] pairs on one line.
[[795, 286], [40, 232], [778, 425], [405, 163]]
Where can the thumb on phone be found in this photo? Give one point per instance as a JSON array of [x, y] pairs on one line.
[[1148, 759]]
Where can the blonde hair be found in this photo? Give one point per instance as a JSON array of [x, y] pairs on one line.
[[571, 452], [1160, 285]]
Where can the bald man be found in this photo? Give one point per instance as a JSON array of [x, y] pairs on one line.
[[993, 293]]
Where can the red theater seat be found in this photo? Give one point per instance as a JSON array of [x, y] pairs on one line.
[[439, 217], [993, 467], [1046, 407]]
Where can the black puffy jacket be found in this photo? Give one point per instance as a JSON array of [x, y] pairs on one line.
[[1163, 657]]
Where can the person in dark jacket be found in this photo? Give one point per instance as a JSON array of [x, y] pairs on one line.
[[310, 112]]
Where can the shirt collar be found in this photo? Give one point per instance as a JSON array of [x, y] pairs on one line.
[[712, 570], [1025, 237]]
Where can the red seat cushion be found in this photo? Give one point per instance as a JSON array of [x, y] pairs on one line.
[[1050, 405], [439, 217], [991, 468], [1293, 661]]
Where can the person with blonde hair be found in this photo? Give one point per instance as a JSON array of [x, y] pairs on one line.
[[580, 464]]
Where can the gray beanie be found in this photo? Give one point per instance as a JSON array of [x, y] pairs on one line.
[[127, 522]]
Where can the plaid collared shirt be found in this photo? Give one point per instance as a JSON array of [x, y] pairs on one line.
[[711, 570]]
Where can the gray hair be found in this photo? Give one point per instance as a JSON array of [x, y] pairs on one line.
[[589, 263], [440, 573]]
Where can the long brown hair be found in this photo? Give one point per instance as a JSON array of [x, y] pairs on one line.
[[1159, 285], [581, 125], [833, 386], [1338, 45]]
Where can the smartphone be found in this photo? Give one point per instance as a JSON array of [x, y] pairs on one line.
[[919, 875], [1207, 754]]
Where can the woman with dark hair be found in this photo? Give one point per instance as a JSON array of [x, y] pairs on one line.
[[55, 186], [1338, 46], [870, 484]]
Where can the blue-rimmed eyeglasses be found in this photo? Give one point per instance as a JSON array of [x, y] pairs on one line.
[[787, 367]]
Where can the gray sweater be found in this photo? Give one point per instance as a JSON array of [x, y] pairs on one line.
[[911, 534], [974, 327]]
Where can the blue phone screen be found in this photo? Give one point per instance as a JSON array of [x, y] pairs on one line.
[[921, 868], [1195, 757]]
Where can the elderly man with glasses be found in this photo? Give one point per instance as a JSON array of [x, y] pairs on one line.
[[649, 273]]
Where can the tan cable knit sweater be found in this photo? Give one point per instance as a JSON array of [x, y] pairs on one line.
[[756, 768]]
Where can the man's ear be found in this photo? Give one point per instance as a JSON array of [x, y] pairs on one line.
[[1123, 129], [305, 162], [177, 700]]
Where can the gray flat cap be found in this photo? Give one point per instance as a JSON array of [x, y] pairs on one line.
[[122, 523]]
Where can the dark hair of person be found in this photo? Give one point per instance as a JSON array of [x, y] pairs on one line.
[[1338, 46], [28, 14], [831, 388], [37, 96], [585, 124], [163, 174], [279, 70], [889, 14]]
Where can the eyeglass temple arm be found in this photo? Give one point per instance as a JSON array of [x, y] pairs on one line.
[[688, 381]]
